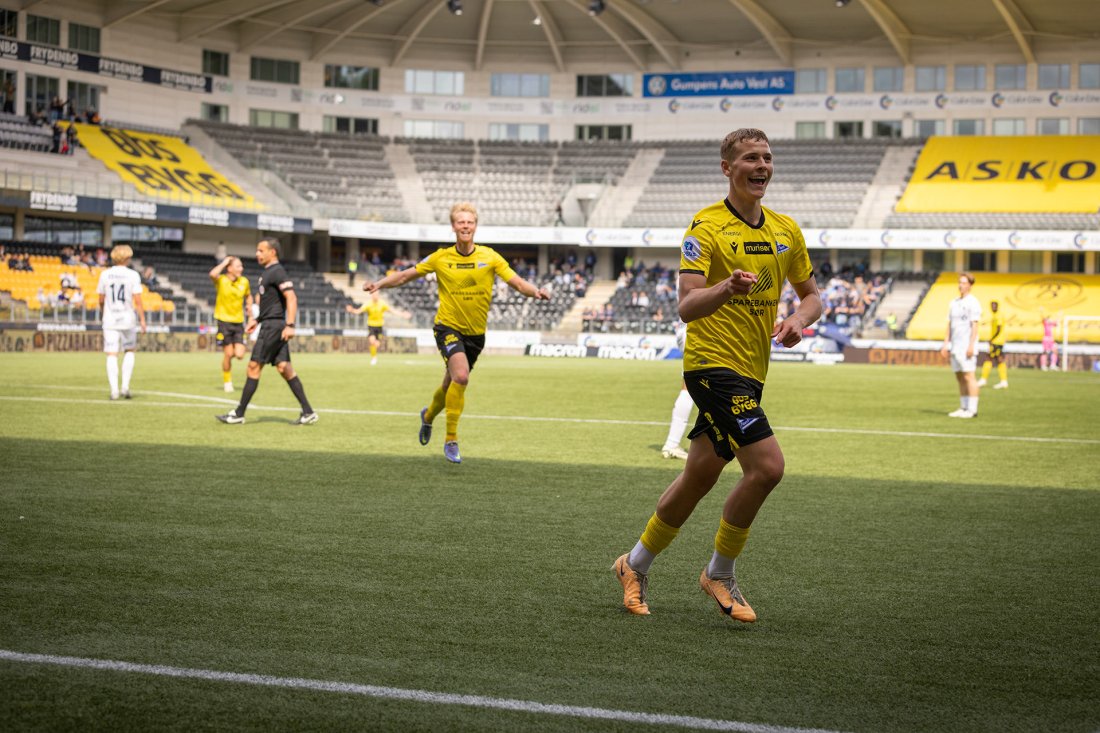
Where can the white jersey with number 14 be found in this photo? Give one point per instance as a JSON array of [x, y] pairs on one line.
[[117, 287]]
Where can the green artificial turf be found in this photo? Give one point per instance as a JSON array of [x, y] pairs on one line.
[[912, 572]]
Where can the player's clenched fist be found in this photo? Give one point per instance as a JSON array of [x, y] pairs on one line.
[[789, 332], [739, 283]]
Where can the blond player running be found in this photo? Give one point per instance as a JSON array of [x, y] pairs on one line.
[[119, 291], [233, 295], [734, 259], [465, 274]]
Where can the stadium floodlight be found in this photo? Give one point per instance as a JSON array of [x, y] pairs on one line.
[[455, 6], [595, 7]]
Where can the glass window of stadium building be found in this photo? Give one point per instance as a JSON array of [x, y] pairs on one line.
[[83, 38], [1088, 76], [969, 78], [62, 231], [43, 30], [9, 23], [215, 63]]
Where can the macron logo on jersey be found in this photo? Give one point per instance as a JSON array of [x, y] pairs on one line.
[[696, 222]]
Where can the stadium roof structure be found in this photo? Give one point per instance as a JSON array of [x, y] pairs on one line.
[[645, 35]]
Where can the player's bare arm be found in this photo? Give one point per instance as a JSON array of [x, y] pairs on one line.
[[291, 313], [527, 288], [393, 280], [972, 347], [220, 268], [789, 331], [698, 301], [139, 308]]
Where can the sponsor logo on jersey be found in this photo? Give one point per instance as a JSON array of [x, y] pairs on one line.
[[464, 266], [758, 248], [692, 249]]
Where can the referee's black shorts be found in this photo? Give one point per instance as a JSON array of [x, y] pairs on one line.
[[729, 409], [451, 342], [270, 347]]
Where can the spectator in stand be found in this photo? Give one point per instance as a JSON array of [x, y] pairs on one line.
[[57, 110], [892, 324], [76, 298], [589, 263], [27, 266], [623, 281], [37, 117], [580, 285], [9, 96], [70, 141], [92, 117], [44, 300], [643, 300], [58, 133], [149, 277], [69, 281], [100, 257], [14, 262]]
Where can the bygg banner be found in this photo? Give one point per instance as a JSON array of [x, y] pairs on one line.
[[162, 166], [1056, 174]]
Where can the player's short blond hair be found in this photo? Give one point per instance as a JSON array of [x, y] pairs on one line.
[[968, 276], [464, 206], [121, 254], [745, 134]]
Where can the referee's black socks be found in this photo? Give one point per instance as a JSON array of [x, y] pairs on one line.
[[250, 385], [299, 392]]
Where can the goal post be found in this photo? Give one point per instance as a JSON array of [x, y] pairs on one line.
[[1066, 320]]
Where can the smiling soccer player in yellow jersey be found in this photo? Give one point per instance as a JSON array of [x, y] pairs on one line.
[[735, 257], [376, 321], [465, 273]]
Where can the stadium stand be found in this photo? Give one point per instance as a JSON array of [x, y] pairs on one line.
[[979, 220], [54, 280], [17, 132], [347, 174], [820, 183]]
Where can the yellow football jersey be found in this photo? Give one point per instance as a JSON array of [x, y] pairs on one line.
[[465, 285], [997, 329], [738, 335], [376, 313], [229, 304]]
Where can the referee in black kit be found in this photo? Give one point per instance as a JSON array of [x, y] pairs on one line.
[[278, 309]]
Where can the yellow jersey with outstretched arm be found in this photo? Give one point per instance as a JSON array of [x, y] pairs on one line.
[[737, 336], [376, 313], [229, 303], [465, 285]]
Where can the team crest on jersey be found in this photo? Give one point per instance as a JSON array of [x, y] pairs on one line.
[[692, 249], [780, 248]]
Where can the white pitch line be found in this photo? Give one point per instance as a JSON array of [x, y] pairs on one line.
[[530, 418], [398, 693]]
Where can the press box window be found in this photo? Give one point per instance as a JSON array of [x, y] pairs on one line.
[[605, 85], [850, 79], [273, 118], [426, 81], [281, 71], [83, 38], [969, 78], [215, 112], [810, 81], [9, 23], [520, 85], [604, 132], [215, 63], [43, 30], [351, 125], [889, 78], [1053, 76], [1010, 76], [351, 77], [930, 78]]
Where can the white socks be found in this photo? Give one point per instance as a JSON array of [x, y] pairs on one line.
[[681, 412], [112, 373], [127, 370], [720, 566], [640, 558], [972, 404]]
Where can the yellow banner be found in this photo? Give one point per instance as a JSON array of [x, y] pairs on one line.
[[162, 166], [1055, 174], [1023, 301]]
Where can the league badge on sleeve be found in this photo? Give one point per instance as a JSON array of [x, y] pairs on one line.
[[691, 248]]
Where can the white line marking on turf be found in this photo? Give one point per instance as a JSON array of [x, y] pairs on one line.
[[530, 418], [397, 693]]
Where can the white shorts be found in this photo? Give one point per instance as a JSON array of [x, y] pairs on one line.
[[959, 362], [115, 340]]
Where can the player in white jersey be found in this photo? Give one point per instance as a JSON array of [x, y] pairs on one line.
[[961, 344], [120, 303], [681, 410]]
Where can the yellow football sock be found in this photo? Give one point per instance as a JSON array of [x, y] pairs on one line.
[[456, 400], [986, 368], [436, 405], [227, 376], [730, 540], [658, 535], [1002, 371], [373, 350]]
